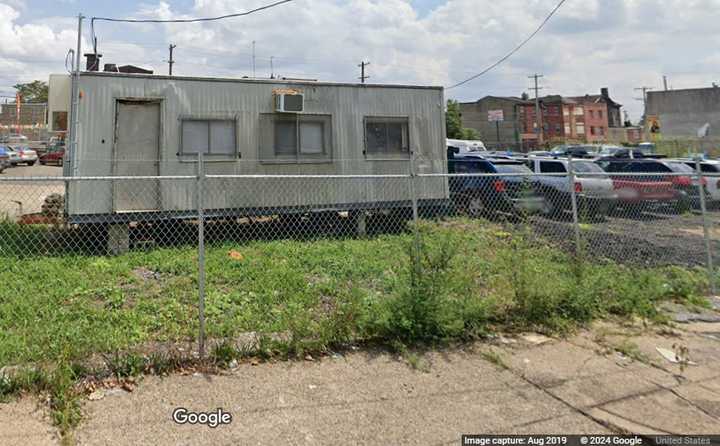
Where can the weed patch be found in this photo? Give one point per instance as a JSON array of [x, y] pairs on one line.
[[458, 280]]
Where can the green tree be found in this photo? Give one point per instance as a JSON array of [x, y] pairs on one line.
[[470, 134], [524, 96], [35, 91], [453, 123]]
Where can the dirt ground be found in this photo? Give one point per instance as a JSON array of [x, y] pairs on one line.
[[612, 378]]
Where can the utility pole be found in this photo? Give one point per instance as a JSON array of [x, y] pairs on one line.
[[538, 117], [362, 66], [253, 59], [643, 99], [171, 61]]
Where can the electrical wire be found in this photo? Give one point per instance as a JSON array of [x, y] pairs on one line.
[[515, 50], [67, 56], [202, 19]]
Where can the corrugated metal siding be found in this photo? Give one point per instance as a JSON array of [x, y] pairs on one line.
[[348, 105]]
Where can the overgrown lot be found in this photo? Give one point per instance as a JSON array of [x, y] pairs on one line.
[[471, 277], [452, 280]]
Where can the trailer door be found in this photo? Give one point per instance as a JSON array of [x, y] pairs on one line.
[[136, 153]]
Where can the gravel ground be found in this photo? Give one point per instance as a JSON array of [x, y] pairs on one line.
[[648, 240]]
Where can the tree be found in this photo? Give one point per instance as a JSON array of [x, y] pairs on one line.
[[525, 96], [453, 123], [470, 134], [35, 91]]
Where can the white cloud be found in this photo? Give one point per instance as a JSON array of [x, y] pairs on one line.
[[590, 44], [32, 50]]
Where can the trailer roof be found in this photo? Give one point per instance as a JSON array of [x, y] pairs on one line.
[[254, 81]]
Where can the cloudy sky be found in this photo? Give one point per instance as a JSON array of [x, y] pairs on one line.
[[620, 44]]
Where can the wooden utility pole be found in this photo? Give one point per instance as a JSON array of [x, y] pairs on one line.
[[538, 117], [362, 66], [171, 61]]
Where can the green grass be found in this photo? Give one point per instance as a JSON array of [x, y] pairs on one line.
[[316, 293], [466, 279]]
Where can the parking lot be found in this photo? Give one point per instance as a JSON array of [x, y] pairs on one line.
[[647, 238], [18, 198]]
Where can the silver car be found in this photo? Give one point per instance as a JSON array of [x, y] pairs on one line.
[[593, 187], [25, 155], [13, 156]]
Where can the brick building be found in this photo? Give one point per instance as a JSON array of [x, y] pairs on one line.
[[505, 134], [571, 119]]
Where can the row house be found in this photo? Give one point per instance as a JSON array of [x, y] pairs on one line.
[[570, 119]]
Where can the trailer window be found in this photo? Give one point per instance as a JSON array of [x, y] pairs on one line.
[[295, 138], [214, 137], [386, 136]]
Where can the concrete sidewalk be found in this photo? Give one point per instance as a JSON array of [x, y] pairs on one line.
[[521, 384]]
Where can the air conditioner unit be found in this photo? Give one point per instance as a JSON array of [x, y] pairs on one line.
[[289, 103]]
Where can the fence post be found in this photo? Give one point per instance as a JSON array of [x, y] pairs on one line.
[[413, 191], [706, 228], [416, 217], [200, 193], [574, 203]]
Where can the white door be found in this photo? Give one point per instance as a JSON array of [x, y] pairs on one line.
[[136, 153]]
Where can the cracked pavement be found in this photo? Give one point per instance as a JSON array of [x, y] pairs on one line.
[[520, 384]]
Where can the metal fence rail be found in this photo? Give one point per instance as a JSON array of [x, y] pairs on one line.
[[634, 219]]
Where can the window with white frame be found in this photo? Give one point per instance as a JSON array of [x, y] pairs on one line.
[[212, 137], [580, 129], [291, 138], [579, 111], [384, 135]]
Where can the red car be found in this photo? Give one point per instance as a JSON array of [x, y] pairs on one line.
[[663, 188], [54, 155]]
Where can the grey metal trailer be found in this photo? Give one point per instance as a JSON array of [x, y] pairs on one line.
[[150, 125]]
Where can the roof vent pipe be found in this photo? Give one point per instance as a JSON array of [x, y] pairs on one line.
[[92, 62]]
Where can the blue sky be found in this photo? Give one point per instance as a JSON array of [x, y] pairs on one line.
[[590, 44]]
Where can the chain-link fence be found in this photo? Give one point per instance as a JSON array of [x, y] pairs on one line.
[[639, 220]]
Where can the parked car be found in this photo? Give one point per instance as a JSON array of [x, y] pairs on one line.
[[640, 191], [712, 181], [688, 183], [606, 151], [539, 153], [54, 155], [576, 151], [14, 158], [466, 146], [15, 140], [4, 159], [513, 193], [26, 155], [595, 192]]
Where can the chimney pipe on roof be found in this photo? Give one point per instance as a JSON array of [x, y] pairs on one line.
[[92, 62], [605, 92]]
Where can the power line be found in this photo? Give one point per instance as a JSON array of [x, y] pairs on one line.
[[515, 50], [203, 19]]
